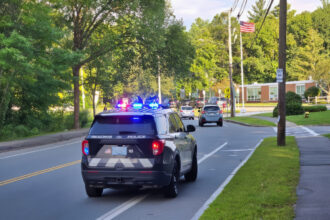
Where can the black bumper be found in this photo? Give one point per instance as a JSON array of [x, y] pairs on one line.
[[104, 178]]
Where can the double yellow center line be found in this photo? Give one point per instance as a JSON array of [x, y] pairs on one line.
[[26, 176]]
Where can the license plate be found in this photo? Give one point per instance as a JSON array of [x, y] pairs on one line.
[[119, 151]]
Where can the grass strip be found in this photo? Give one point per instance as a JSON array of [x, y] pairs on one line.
[[253, 121], [264, 188], [327, 135], [315, 118], [268, 114]]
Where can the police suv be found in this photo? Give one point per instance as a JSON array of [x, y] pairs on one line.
[[138, 146]]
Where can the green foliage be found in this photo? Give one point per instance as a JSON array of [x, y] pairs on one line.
[[312, 92], [293, 105], [315, 108]]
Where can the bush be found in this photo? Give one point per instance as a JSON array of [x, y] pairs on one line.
[[21, 131], [312, 92], [315, 108], [83, 118], [293, 105]]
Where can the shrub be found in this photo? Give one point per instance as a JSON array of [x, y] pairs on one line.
[[293, 105], [312, 92], [21, 131], [83, 118], [315, 108]]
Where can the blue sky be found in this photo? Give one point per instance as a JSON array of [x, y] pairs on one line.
[[189, 10]]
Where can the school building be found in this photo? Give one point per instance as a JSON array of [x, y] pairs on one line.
[[268, 92]]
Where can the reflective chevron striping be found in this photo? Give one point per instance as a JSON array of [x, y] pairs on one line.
[[122, 162]]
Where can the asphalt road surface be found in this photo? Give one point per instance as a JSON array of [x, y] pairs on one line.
[[45, 182]]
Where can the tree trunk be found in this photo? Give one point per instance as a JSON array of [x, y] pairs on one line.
[[93, 94], [76, 93]]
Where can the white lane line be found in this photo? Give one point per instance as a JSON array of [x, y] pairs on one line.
[[275, 129], [40, 150], [210, 154], [223, 185], [135, 200], [310, 131], [122, 208]]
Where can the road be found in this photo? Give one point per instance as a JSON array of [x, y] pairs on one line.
[[45, 182]]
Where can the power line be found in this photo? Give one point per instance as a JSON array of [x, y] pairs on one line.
[[235, 5], [263, 21], [243, 5]]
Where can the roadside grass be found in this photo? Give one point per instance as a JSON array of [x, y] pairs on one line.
[[258, 104], [315, 118], [253, 121], [264, 188], [268, 114], [327, 135]]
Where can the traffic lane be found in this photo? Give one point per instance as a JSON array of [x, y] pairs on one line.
[[57, 195], [21, 163], [192, 195]]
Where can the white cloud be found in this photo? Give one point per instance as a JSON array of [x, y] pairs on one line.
[[189, 10]]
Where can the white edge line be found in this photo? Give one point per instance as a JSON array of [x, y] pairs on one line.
[[213, 152], [135, 200], [44, 149], [310, 131], [122, 208], [223, 185]]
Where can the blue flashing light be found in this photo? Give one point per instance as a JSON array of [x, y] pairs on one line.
[[136, 118], [86, 150], [122, 105], [153, 105], [137, 105]]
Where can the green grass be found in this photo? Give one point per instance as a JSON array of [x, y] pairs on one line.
[[315, 118], [327, 135], [259, 104], [268, 114], [253, 121], [264, 188]]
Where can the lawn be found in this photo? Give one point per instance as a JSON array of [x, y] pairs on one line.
[[315, 118], [264, 188], [253, 121], [268, 114]]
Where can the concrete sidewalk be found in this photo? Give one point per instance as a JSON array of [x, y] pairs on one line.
[[42, 140], [314, 185]]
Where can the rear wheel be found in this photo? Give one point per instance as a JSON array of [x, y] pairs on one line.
[[192, 174], [93, 192], [220, 123], [171, 190], [201, 124]]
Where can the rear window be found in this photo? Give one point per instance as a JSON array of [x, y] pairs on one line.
[[186, 108], [123, 125], [211, 108]]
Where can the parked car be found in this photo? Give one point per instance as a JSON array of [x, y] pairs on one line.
[[187, 112], [210, 114]]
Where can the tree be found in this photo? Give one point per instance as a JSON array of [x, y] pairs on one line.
[[321, 18], [258, 11], [86, 18]]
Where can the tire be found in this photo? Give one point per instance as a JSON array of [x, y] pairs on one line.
[[219, 124], [171, 191], [93, 192], [192, 174], [201, 124]]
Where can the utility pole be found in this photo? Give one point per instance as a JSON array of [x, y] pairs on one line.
[[281, 66], [242, 71], [232, 92], [159, 86]]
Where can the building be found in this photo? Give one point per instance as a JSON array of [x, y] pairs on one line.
[[268, 92]]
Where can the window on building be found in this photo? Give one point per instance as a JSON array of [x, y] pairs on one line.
[[254, 94], [273, 93], [300, 90]]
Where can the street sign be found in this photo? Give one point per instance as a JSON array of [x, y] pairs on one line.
[[279, 75], [227, 93]]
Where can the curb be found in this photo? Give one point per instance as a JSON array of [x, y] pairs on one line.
[[244, 124], [42, 140]]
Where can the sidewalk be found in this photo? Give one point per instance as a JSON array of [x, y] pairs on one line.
[[314, 185], [42, 140]]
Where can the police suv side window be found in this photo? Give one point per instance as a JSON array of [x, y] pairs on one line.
[[173, 127], [180, 124], [161, 124]]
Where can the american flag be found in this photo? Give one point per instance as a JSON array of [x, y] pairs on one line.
[[246, 27]]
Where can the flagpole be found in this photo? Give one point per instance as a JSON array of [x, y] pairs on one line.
[[242, 71]]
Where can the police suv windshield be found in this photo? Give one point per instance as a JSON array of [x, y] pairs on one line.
[[123, 125]]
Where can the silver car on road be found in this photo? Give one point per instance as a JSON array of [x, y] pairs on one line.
[[211, 114], [187, 112]]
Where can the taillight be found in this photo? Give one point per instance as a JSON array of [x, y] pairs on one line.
[[157, 147], [85, 147], [220, 111], [203, 112], [181, 111]]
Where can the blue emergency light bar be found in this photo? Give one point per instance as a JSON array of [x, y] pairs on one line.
[[137, 105]]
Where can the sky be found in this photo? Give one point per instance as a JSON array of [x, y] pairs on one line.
[[189, 10]]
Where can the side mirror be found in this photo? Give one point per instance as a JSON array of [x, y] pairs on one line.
[[191, 128]]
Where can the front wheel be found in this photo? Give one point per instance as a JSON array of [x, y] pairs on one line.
[[171, 190], [192, 174], [93, 192]]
